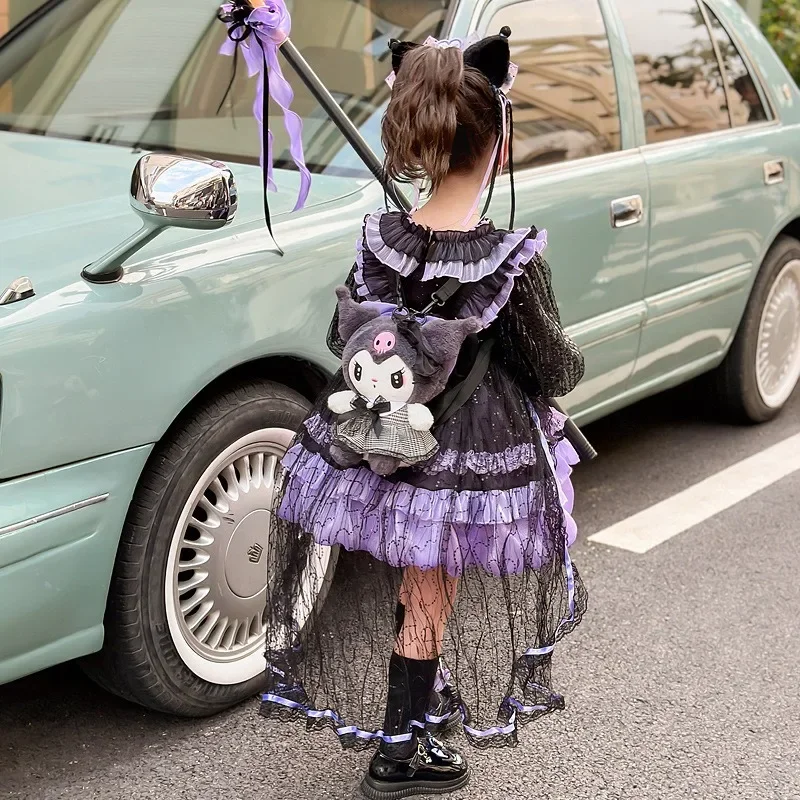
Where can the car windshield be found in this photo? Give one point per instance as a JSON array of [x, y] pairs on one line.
[[13, 12], [147, 74]]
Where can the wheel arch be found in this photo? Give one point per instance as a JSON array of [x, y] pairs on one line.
[[301, 375], [791, 228]]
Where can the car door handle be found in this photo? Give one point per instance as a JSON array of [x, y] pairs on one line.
[[627, 211], [774, 172]]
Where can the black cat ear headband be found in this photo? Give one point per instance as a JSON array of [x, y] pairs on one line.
[[491, 56]]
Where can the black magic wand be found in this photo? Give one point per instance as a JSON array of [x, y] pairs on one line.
[[367, 155]]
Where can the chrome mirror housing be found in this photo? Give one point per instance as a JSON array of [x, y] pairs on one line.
[[183, 192], [170, 191], [19, 289]]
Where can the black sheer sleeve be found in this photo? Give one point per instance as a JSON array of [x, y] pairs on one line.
[[335, 343], [532, 346]]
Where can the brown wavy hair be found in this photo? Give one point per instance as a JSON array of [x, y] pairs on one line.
[[441, 118]]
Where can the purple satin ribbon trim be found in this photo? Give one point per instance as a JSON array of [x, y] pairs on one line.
[[347, 730], [270, 26], [543, 651], [353, 730], [526, 709], [504, 730], [497, 730], [383, 309]]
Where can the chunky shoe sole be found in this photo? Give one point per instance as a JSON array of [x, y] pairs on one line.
[[379, 790]]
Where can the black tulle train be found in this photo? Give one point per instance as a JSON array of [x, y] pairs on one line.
[[481, 532]]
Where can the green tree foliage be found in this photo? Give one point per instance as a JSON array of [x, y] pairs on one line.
[[780, 21]]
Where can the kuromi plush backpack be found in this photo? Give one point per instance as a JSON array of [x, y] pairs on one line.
[[394, 362]]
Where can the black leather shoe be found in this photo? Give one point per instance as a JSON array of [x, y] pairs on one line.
[[444, 710], [431, 769]]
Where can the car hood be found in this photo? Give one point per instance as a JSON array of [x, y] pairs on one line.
[[65, 203]]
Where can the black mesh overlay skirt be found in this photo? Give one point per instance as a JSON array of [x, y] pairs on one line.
[[481, 532]]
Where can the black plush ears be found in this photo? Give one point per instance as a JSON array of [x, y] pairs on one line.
[[491, 56], [352, 315], [399, 50]]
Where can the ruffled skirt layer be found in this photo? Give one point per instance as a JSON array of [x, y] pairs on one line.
[[491, 514]]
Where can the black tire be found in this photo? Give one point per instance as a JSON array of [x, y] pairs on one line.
[[733, 383], [139, 661]]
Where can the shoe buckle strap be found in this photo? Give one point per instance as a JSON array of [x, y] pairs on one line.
[[420, 757]]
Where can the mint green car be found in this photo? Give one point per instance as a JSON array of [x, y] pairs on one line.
[[145, 399]]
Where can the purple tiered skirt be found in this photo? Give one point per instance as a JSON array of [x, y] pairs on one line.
[[412, 526]]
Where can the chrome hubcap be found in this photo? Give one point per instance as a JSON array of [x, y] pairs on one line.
[[220, 574], [778, 352], [217, 571]]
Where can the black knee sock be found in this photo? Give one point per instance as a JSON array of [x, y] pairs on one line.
[[399, 618], [410, 684]]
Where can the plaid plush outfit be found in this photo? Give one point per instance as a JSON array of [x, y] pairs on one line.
[[396, 439]]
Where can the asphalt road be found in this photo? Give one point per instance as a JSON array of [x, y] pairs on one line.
[[682, 682]]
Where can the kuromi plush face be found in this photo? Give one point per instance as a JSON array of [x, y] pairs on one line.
[[390, 379], [386, 357]]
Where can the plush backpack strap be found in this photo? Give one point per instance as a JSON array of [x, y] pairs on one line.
[[452, 399], [443, 294]]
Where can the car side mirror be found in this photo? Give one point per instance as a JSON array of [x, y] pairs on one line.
[[170, 191]]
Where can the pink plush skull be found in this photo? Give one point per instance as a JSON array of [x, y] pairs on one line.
[[384, 343]]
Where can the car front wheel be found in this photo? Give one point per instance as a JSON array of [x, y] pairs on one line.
[[762, 369], [184, 625]]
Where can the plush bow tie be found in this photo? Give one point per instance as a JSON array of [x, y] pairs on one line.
[[374, 408]]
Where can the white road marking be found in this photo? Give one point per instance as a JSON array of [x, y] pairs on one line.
[[676, 514]]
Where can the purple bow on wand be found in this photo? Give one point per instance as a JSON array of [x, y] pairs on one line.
[[258, 33]]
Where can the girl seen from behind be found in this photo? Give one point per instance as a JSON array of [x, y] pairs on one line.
[[433, 458]]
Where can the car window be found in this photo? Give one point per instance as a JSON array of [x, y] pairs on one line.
[[12, 12], [564, 97], [110, 74], [679, 75], [745, 99]]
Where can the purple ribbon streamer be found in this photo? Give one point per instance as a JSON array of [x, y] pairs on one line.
[[258, 36]]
